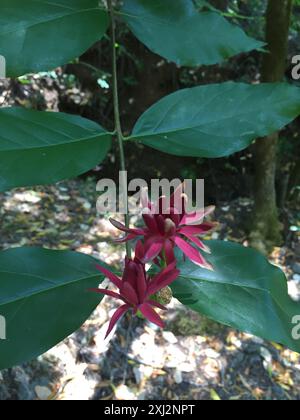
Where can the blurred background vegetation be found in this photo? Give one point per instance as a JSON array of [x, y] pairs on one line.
[[84, 88], [216, 361]]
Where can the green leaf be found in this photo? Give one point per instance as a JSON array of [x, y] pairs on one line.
[[244, 291], [43, 34], [176, 31], [44, 298], [46, 147], [217, 120]]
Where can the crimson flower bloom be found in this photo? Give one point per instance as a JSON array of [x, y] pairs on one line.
[[167, 227], [136, 289]]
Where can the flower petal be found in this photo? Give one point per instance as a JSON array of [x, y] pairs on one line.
[[108, 293], [151, 315], [146, 204], [126, 238], [198, 229], [198, 243], [192, 253], [162, 280], [177, 198], [208, 210], [141, 285], [156, 304], [139, 251], [130, 272], [197, 217], [119, 225], [111, 276], [153, 248], [176, 218], [123, 228], [151, 224], [116, 317], [160, 221], [162, 205], [129, 293], [169, 252]]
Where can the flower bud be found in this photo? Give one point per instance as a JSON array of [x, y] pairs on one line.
[[170, 227], [164, 296]]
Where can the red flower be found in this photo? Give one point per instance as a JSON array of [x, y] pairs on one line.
[[167, 227], [136, 289]]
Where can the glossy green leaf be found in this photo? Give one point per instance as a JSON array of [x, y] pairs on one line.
[[39, 35], [46, 147], [44, 298], [175, 30], [244, 291], [217, 120]]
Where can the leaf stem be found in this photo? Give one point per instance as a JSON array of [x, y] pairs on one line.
[[118, 127]]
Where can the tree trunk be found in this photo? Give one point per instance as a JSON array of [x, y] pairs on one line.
[[266, 227], [295, 182]]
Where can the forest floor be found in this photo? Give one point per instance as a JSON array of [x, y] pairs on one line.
[[194, 358]]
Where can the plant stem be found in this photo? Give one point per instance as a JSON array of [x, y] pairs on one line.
[[118, 127], [164, 263]]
